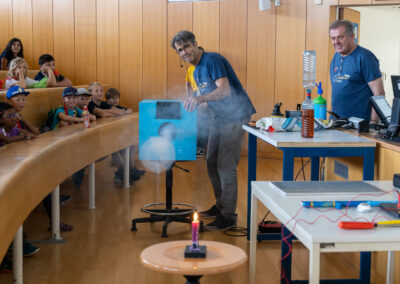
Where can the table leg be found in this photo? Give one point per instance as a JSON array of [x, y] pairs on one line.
[[314, 168], [365, 267], [126, 167], [368, 163], [286, 264], [193, 279], [253, 240], [390, 268], [251, 175], [314, 264], [288, 164]]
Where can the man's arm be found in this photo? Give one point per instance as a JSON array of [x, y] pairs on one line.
[[223, 90], [377, 89], [188, 89]]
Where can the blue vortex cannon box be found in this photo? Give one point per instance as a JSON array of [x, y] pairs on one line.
[[157, 117]]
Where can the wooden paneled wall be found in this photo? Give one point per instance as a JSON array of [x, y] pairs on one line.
[[125, 43]]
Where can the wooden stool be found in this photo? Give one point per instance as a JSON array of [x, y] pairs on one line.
[[169, 257]]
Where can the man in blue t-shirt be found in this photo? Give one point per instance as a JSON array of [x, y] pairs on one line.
[[354, 73], [220, 88]]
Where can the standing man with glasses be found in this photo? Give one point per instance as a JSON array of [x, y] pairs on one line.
[[220, 88], [354, 73]]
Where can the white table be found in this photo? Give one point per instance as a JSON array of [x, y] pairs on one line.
[[325, 143], [323, 235]]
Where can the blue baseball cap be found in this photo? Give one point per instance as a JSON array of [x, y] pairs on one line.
[[15, 91], [70, 91]]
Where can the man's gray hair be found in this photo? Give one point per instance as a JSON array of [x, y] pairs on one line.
[[183, 36], [347, 24]]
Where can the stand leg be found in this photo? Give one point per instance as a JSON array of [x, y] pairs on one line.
[[55, 214], [17, 258], [126, 167], [91, 181], [193, 279]]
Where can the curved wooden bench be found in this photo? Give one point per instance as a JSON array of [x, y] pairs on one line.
[[31, 74], [29, 170]]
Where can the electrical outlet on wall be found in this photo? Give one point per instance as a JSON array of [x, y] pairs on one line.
[[318, 2]]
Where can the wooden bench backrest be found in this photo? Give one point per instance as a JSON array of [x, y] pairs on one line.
[[31, 74]]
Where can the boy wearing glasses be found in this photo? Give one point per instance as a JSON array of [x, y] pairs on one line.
[[222, 91]]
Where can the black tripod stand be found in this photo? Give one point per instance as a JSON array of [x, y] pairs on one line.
[[168, 214]]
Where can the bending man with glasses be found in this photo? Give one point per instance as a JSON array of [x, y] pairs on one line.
[[220, 88]]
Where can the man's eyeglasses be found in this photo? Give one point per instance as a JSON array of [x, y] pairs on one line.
[[184, 48]]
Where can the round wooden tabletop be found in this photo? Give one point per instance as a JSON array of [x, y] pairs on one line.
[[169, 257]]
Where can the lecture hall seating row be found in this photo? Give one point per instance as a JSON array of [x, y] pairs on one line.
[[31, 169]]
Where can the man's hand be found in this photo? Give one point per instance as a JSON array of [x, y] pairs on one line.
[[190, 103]]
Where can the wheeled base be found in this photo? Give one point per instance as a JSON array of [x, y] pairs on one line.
[[167, 219]]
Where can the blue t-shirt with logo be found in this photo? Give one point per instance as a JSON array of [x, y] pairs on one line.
[[234, 108], [350, 76]]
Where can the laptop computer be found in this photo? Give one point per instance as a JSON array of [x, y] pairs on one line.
[[396, 85]]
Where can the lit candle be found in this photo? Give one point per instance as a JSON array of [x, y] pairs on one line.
[[195, 232]]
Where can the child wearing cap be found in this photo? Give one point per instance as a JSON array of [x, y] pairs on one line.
[[83, 98], [9, 133], [16, 96], [47, 62], [69, 113]]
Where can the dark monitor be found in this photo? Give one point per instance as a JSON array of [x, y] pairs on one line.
[[396, 85], [382, 108]]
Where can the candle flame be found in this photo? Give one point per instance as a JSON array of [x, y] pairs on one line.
[[195, 217]]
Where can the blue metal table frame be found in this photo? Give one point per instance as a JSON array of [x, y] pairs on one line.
[[315, 153]]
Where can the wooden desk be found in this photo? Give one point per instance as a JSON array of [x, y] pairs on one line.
[[29, 170], [323, 235], [169, 257]]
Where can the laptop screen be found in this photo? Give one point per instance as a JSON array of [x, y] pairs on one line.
[[396, 85]]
